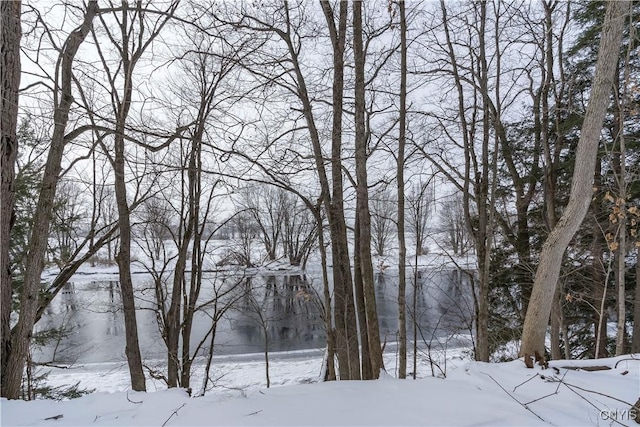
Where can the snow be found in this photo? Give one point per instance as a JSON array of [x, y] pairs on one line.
[[473, 393]]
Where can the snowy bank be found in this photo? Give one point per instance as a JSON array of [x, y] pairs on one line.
[[505, 394]]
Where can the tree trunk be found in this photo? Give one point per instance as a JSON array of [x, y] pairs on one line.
[[635, 339], [402, 244], [537, 318], [598, 275], [556, 309], [358, 286], [346, 337], [123, 258], [550, 195], [179, 277], [621, 203], [331, 368], [482, 190], [11, 33], [266, 352], [197, 260], [620, 275], [362, 202], [21, 333]]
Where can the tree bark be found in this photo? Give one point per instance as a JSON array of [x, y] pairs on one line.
[[544, 287], [11, 32]]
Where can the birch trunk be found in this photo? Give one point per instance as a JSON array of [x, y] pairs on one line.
[[544, 287]]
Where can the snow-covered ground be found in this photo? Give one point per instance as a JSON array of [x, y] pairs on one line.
[[473, 393]]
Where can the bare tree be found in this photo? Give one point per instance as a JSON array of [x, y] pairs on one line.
[[156, 223], [451, 216], [383, 219], [400, 164], [68, 220], [544, 287], [345, 317], [267, 206], [300, 231], [132, 36], [420, 205], [108, 215]]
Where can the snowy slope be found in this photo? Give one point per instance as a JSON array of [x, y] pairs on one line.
[[475, 394]]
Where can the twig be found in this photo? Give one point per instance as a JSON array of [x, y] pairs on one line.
[[588, 401], [523, 383], [550, 394], [594, 392], [175, 412], [625, 359], [137, 403], [511, 396], [55, 417], [543, 397]]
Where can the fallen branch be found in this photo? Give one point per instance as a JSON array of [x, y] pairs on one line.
[[175, 412], [514, 398], [587, 368]]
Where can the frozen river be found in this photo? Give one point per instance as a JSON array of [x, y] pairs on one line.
[[286, 306]]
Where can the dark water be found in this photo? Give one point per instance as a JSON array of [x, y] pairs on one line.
[[282, 311]]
